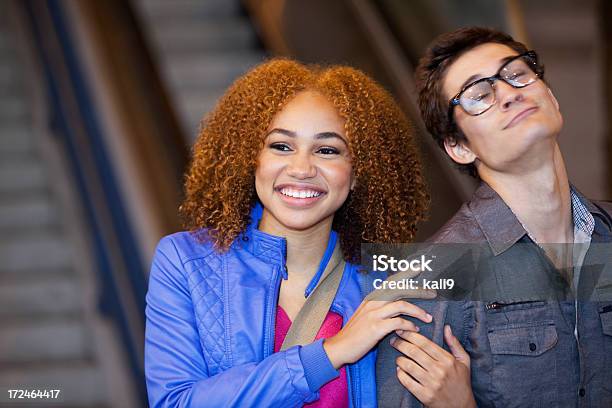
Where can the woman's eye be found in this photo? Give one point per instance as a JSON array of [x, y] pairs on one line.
[[328, 150], [280, 147]]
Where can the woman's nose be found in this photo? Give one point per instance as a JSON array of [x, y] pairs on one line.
[[301, 166]]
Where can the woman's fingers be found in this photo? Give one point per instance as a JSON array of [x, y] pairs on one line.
[[399, 325], [372, 321], [423, 343], [402, 307]]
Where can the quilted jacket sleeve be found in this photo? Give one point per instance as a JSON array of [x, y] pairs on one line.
[[176, 372]]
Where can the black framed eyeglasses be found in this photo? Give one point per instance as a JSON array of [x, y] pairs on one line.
[[477, 97]]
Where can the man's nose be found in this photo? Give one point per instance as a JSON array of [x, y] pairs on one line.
[[508, 95], [301, 166]]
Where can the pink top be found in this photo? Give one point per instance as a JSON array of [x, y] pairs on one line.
[[334, 393]]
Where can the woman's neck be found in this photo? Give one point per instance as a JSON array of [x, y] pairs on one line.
[[305, 248]]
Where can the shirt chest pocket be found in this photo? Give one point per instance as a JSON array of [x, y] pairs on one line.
[[524, 328], [522, 337], [523, 341]]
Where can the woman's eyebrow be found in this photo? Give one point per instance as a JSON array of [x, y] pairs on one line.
[[282, 131], [329, 135]]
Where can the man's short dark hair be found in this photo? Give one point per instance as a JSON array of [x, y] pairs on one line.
[[442, 52]]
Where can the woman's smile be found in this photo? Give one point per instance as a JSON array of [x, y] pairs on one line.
[[296, 195]]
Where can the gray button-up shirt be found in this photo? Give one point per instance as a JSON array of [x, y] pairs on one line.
[[525, 351]]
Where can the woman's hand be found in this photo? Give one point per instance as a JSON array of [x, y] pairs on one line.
[[372, 321], [433, 375]]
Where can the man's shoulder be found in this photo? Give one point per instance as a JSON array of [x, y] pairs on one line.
[[461, 228], [605, 206]]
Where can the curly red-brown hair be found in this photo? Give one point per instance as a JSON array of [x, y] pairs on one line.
[[389, 197]]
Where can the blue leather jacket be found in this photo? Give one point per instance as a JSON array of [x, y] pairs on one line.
[[210, 327]]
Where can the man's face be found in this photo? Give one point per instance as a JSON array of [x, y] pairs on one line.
[[515, 132]]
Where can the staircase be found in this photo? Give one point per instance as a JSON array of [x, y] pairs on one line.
[[201, 47], [52, 336]]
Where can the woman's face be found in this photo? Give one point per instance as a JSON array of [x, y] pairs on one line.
[[304, 171]]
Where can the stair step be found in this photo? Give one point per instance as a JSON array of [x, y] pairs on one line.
[[12, 108], [15, 138], [33, 211], [159, 9], [4, 41], [17, 176], [192, 111], [196, 36], [8, 73], [202, 46], [201, 103], [43, 341], [40, 252], [80, 383], [216, 70], [38, 298]]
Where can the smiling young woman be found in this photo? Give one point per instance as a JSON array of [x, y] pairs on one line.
[[294, 165]]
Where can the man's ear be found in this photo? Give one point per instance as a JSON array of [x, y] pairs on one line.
[[459, 152], [553, 98]]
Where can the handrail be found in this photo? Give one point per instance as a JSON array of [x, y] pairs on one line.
[[139, 103]]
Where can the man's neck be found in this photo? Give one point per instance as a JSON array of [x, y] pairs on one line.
[[540, 198]]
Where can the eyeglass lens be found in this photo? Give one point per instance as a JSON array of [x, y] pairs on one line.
[[481, 95]]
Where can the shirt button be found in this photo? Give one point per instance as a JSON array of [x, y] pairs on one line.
[[245, 238], [532, 346], [582, 392]]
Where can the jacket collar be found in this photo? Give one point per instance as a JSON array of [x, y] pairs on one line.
[[499, 224], [273, 249]]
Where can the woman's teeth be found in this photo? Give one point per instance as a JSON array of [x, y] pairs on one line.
[[299, 193]]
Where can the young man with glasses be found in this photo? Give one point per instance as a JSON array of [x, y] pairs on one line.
[[483, 98]]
